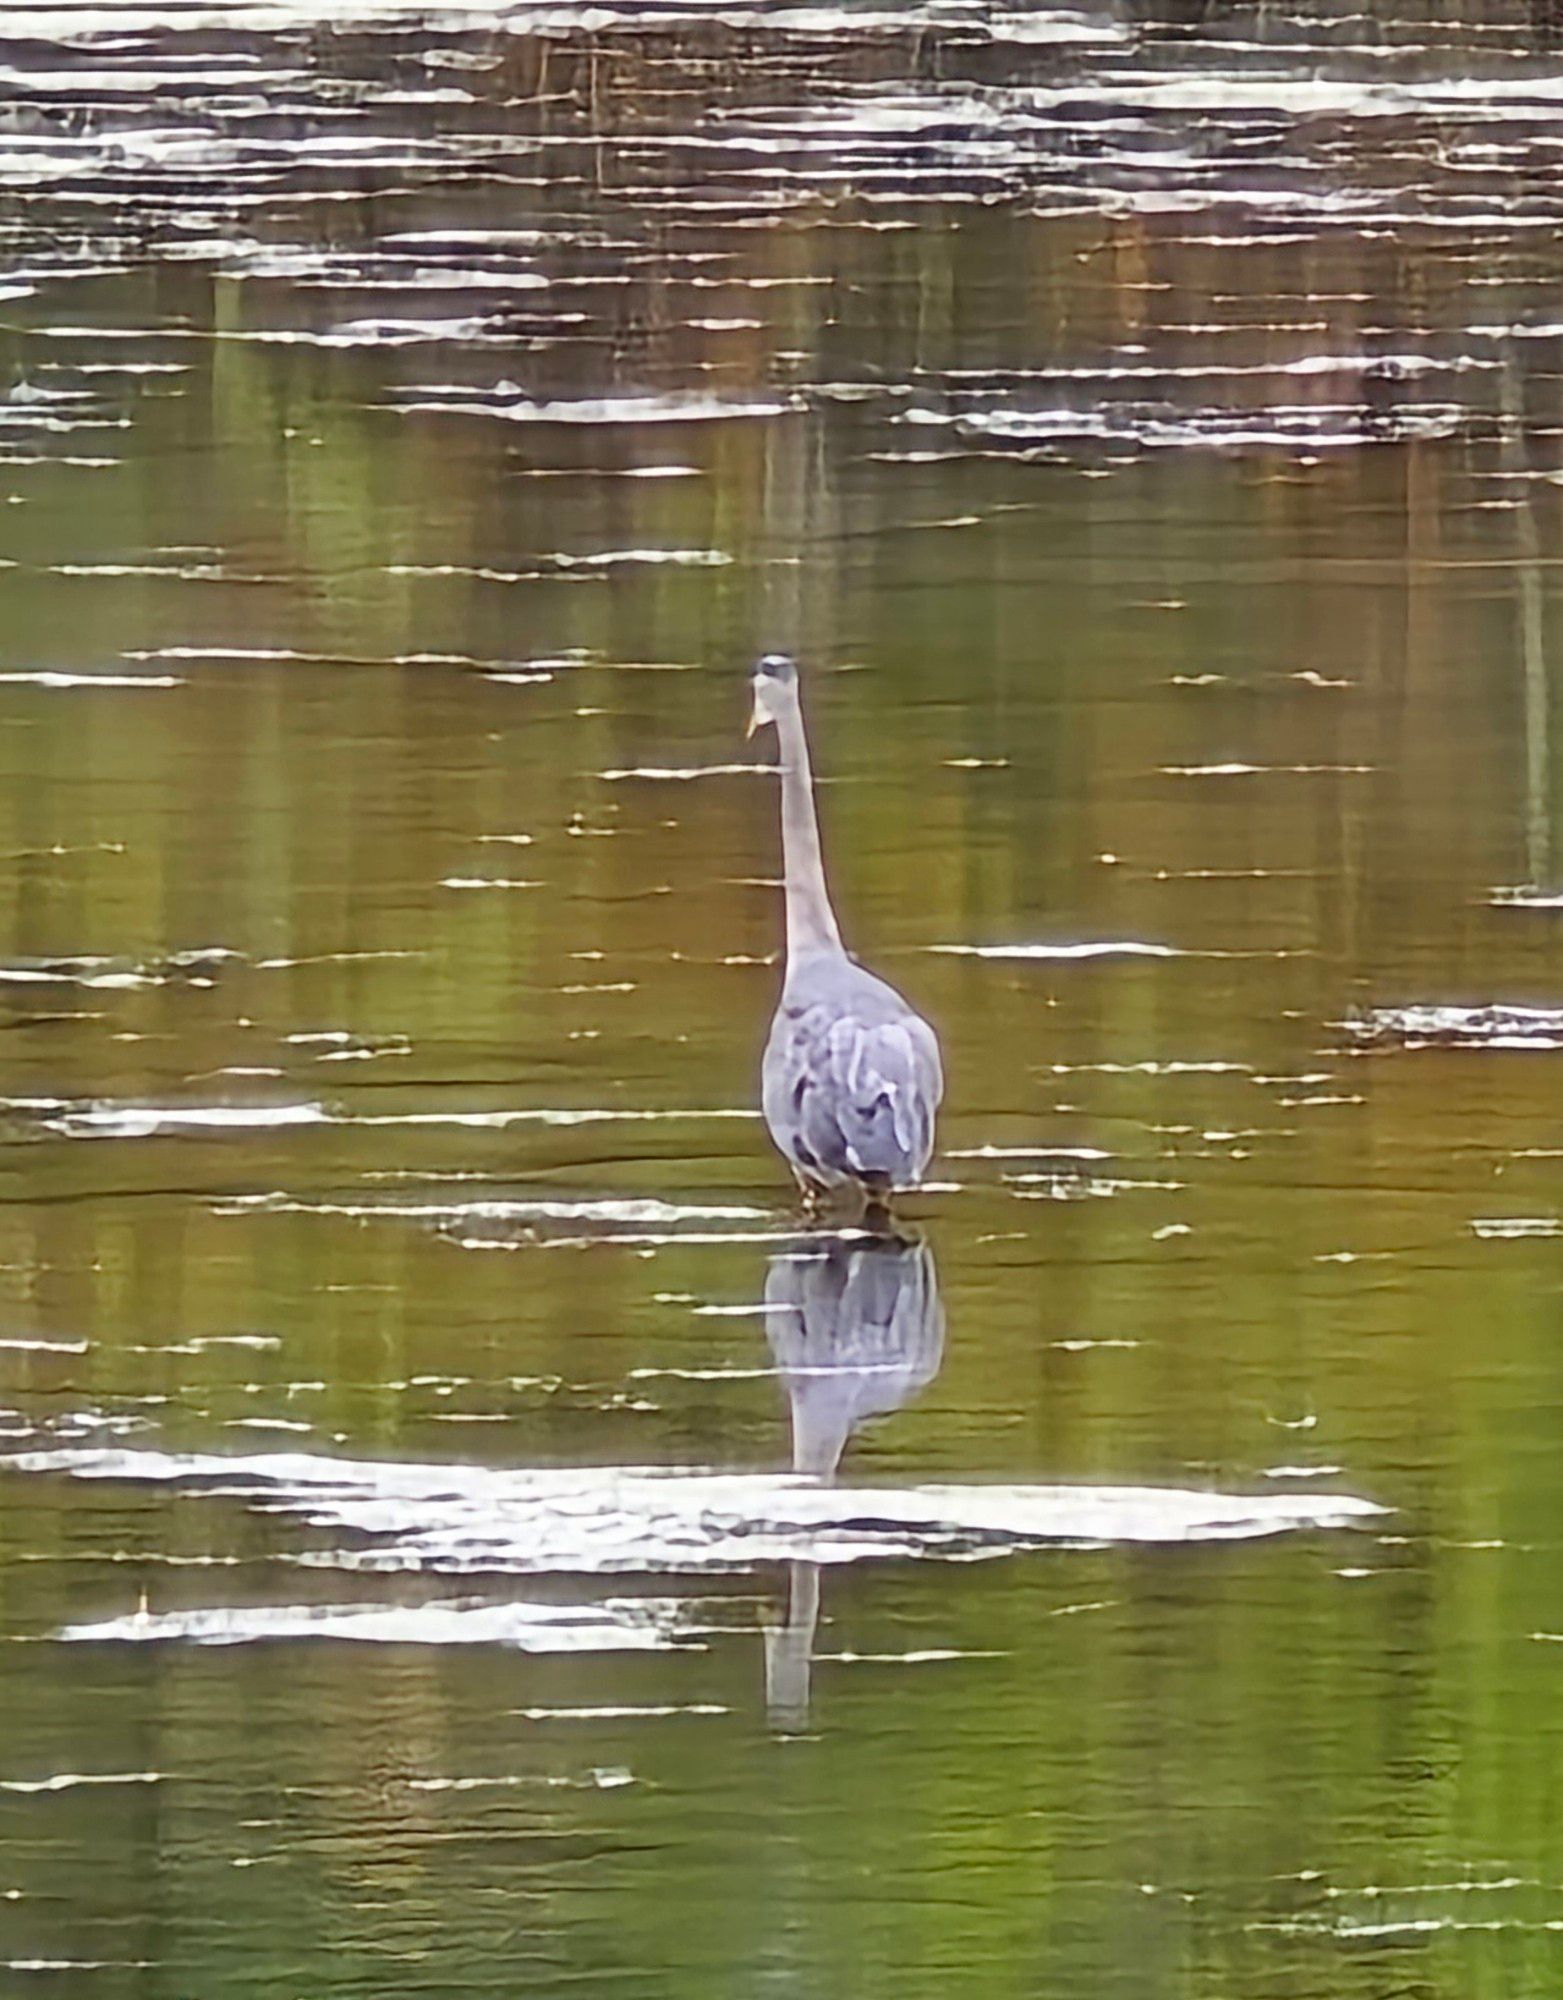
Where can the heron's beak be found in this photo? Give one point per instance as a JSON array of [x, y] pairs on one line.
[[755, 719]]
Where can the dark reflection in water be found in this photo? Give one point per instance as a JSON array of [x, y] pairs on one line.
[[857, 1330]]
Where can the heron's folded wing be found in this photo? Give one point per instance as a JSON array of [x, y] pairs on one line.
[[869, 1094]]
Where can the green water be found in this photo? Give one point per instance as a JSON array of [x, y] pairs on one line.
[[1145, 427]]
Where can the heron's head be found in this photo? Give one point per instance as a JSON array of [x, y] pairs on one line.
[[775, 685]]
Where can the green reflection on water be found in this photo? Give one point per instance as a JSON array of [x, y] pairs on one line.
[[1284, 711]]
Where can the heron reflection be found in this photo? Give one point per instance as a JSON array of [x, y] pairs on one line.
[[857, 1330]]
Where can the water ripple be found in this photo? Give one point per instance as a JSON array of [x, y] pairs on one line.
[[456, 1519]]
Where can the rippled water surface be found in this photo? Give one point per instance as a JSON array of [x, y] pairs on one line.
[[459, 1532]]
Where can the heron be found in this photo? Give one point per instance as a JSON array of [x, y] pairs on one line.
[[851, 1077]]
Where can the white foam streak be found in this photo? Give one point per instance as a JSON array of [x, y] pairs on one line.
[[1433, 1024], [1105, 948], [683, 774], [609, 1210], [47, 677], [612, 1625], [146, 1121], [131, 1121], [506, 401], [70, 1781], [454, 1519]]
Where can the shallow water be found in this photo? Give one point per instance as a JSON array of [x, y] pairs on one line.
[[459, 1535]]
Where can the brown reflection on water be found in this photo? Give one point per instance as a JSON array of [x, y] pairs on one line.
[[1145, 423]]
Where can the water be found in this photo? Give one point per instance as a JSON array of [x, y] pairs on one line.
[[458, 1535]]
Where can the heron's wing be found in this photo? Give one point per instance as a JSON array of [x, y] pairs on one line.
[[864, 1092]]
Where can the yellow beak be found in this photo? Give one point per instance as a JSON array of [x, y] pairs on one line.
[[752, 724]]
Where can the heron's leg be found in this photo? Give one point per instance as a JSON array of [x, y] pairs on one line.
[[877, 1196], [878, 1219]]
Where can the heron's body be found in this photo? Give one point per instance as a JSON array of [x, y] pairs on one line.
[[851, 1078]]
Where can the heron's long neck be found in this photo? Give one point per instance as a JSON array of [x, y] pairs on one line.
[[811, 922]]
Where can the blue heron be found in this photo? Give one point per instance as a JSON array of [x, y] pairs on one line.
[[851, 1078]]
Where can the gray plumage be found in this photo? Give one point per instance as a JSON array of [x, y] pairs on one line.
[[851, 1078]]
